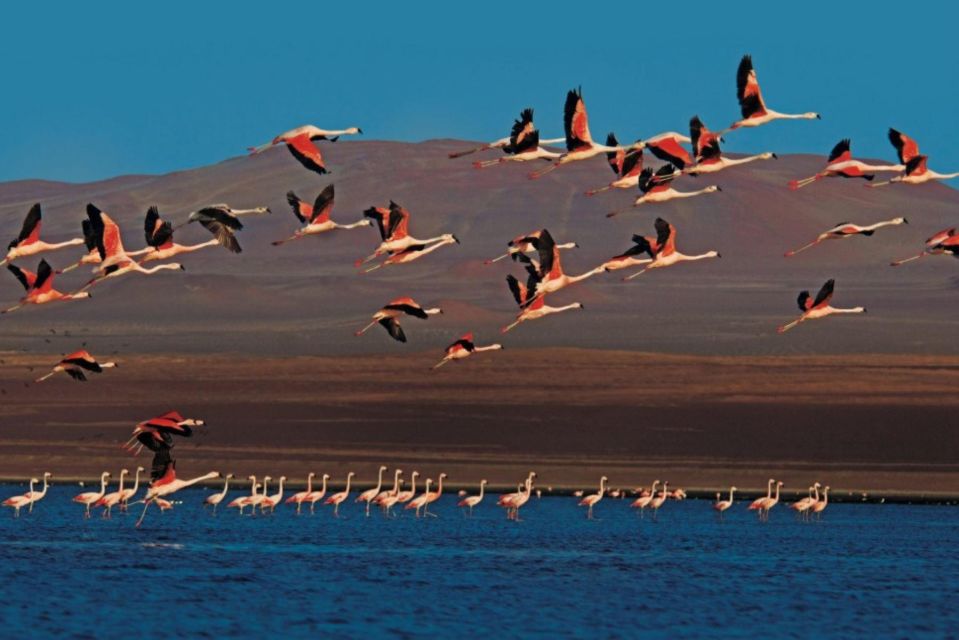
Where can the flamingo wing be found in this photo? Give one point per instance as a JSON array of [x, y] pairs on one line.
[[307, 153], [906, 147], [575, 121], [669, 150], [323, 206], [517, 289], [30, 231], [465, 342], [302, 210], [82, 359], [841, 152], [640, 246], [665, 237], [394, 329], [407, 306], [44, 281], [825, 293], [223, 234], [750, 98], [89, 236], [632, 163], [219, 213], [615, 158], [158, 232], [378, 215], [645, 182], [398, 223], [26, 278], [546, 247], [916, 166], [76, 374], [523, 136]]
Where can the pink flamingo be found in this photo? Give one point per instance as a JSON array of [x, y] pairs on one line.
[[215, 499], [821, 505], [242, 502], [339, 498], [390, 314], [39, 287], [17, 502], [370, 494], [471, 501], [840, 163], [659, 500], [168, 484], [316, 496], [37, 496], [813, 309], [299, 498], [848, 230], [662, 250], [28, 242], [419, 501], [299, 141], [463, 348], [751, 102], [769, 503], [433, 496], [521, 129], [946, 242], [757, 504], [721, 506], [405, 496], [316, 218], [110, 499], [591, 500], [802, 506], [89, 498], [537, 308], [271, 501], [160, 244], [75, 364], [129, 493], [644, 499]]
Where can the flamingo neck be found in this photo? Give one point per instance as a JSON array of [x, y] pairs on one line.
[[482, 488]]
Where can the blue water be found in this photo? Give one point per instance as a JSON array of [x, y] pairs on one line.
[[864, 571]]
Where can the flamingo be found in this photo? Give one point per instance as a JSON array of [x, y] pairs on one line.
[[522, 145], [28, 242], [370, 494], [802, 506], [104, 235], [526, 120], [709, 155], [821, 505], [463, 348], [115, 261], [419, 501], [433, 496], [751, 103], [113, 498], [244, 501], [537, 309], [813, 309], [299, 498], [75, 364], [658, 501], [579, 142], [627, 166], [405, 496], [37, 496], [677, 494], [840, 163], [389, 315], [385, 493], [338, 498], [591, 500], [316, 218], [769, 503], [757, 504], [941, 243], [917, 171], [393, 225], [472, 501], [656, 188], [126, 494], [722, 505], [90, 498], [160, 244], [644, 499], [848, 230], [316, 496], [257, 499], [168, 484], [275, 499], [663, 252], [414, 252], [215, 499], [39, 287], [156, 434], [524, 244], [19, 501], [512, 502], [92, 256], [548, 276], [223, 221], [300, 143]]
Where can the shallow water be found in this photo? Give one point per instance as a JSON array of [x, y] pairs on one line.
[[864, 571]]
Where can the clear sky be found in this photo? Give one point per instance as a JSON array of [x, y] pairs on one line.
[[93, 90]]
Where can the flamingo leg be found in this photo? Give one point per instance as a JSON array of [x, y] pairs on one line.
[[593, 192], [146, 505], [441, 363], [11, 309], [510, 326], [542, 172], [460, 154], [295, 236], [365, 329], [635, 275], [803, 248], [910, 259], [787, 327], [497, 259]]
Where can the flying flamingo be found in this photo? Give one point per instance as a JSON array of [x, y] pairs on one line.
[[37, 496], [722, 505], [663, 250], [389, 316], [591, 500], [419, 501], [523, 144], [90, 498], [28, 243], [115, 261], [757, 504], [524, 244], [821, 505], [944, 242], [841, 164], [917, 171], [393, 225], [848, 230], [627, 166], [656, 188], [316, 218], [299, 498], [300, 143], [433, 496], [633, 256], [316, 496], [414, 252], [370, 494], [751, 103], [769, 503], [471, 501], [160, 244], [536, 309], [214, 499], [579, 142], [39, 287], [113, 498], [526, 120], [223, 221], [92, 256], [548, 276], [658, 501], [104, 234], [339, 498], [75, 364], [243, 502], [17, 502], [813, 309], [275, 499], [463, 348], [168, 484], [644, 499], [709, 156]]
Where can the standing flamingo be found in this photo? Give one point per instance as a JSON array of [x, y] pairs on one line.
[[769, 503], [433, 496], [160, 244], [300, 143], [243, 502], [709, 155], [75, 364], [526, 119], [110, 499], [126, 494], [591, 500], [316, 496], [37, 496], [751, 103], [316, 218], [656, 188], [813, 309], [538, 307], [946, 242], [215, 499], [463, 348], [722, 505], [370, 494], [840, 163], [299, 498], [523, 144], [917, 171], [28, 242], [257, 499], [663, 249], [659, 500], [802, 506], [405, 496], [39, 287], [848, 230], [389, 315], [419, 501], [644, 499], [512, 502], [168, 484], [339, 498], [628, 165], [757, 504], [472, 501], [271, 501], [90, 498], [821, 505], [387, 493], [19, 501]]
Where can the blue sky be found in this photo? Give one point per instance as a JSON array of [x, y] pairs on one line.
[[93, 90]]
